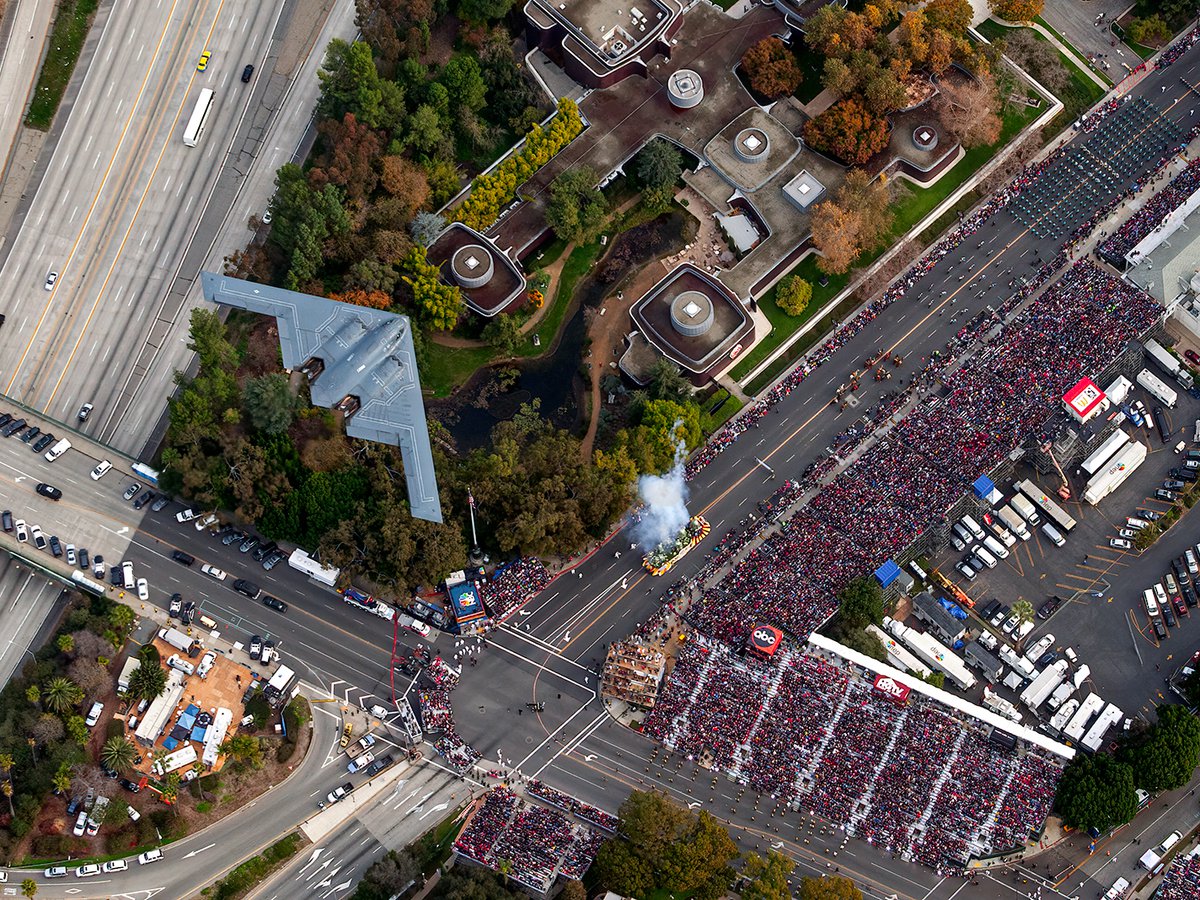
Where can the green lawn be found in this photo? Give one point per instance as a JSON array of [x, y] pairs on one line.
[[1082, 93], [449, 367], [909, 211], [1140, 49], [64, 45]]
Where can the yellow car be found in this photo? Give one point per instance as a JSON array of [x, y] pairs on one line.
[[203, 64]]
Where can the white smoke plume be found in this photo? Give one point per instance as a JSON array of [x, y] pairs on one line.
[[664, 497]]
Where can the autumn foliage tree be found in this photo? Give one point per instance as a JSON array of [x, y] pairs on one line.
[[360, 297], [855, 219], [967, 109], [438, 303], [848, 131], [771, 68], [1017, 10]]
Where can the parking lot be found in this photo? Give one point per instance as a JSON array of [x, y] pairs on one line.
[[1102, 615]]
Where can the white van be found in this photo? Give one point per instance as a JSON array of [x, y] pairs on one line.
[[997, 548], [1151, 603], [981, 553], [150, 856], [127, 574], [918, 571], [973, 527], [178, 662], [58, 450], [1052, 533]]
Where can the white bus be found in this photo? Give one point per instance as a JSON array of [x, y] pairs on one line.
[[195, 126]]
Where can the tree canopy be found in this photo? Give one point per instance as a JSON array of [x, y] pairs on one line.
[[861, 602], [848, 131], [771, 68], [576, 209], [1165, 756], [1017, 10], [793, 295], [1096, 792], [829, 887], [768, 877], [660, 845]]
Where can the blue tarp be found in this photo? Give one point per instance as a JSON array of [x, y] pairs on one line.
[[953, 608], [983, 486], [169, 743], [192, 710], [198, 733], [187, 720], [887, 573]]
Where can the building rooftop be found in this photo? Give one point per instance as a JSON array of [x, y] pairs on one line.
[[804, 189], [750, 150], [489, 280], [612, 30], [692, 319]]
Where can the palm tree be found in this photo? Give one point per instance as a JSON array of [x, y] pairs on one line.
[[62, 694], [169, 791], [118, 754], [66, 643], [148, 681], [6, 789], [33, 694], [29, 888], [62, 779], [1023, 610], [32, 742]]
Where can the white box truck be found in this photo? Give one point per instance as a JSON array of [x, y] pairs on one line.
[[1015, 523], [1025, 508], [1155, 386]]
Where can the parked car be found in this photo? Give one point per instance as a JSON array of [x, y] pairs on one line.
[[249, 544], [180, 557], [30, 433], [1120, 544], [1047, 609], [160, 503], [1160, 630], [274, 603], [339, 792], [256, 645], [101, 468], [143, 500], [185, 515], [213, 572], [176, 605], [131, 491], [143, 589], [273, 560], [1165, 495], [188, 613]]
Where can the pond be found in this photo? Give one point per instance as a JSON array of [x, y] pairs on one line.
[[493, 395]]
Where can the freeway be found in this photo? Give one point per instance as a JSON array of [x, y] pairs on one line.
[[127, 215]]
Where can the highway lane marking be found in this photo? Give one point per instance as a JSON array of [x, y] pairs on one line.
[[129, 228], [95, 200]]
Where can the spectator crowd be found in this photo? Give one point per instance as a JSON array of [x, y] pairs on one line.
[[438, 718], [1182, 879], [535, 844], [513, 584], [587, 812], [889, 497], [921, 781], [1150, 216]]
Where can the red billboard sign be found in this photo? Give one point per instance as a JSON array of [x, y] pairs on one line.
[[891, 688]]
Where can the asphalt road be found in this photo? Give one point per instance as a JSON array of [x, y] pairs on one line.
[[128, 215], [548, 652]]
